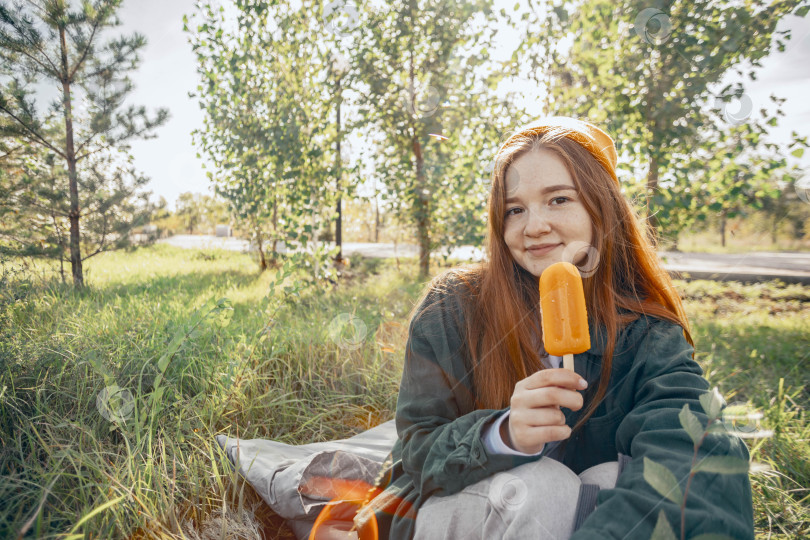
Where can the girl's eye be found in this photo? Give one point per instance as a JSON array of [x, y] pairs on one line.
[[510, 211], [558, 198]]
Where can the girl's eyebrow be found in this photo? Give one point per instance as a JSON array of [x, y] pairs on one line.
[[548, 189]]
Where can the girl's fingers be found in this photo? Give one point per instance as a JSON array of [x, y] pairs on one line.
[[564, 378], [550, 396], [548, 416], [553, 433], [532, 440]]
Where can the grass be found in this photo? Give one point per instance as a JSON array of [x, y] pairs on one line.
[[256, 368], [753, 342], [741, 242]]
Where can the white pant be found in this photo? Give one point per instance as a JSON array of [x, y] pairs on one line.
[[536, 500]]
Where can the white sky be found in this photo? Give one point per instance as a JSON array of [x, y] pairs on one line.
[[167, 73]]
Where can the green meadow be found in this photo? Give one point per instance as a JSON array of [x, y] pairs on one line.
[[110, 398]]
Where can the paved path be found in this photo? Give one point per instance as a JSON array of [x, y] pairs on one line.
[[746, 267]]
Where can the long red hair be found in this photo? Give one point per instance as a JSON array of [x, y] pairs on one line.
[[503, 329]]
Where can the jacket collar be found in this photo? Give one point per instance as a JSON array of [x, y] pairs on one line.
[[598, 334]]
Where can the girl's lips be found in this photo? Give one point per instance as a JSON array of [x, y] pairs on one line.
[[541, 251]]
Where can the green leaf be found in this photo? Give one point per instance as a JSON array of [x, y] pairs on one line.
[[722, 465], [662, 480], [712, 402], [662, 531], [691, 424], [799, 152]]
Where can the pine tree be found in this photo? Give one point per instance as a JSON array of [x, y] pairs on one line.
[[46, 42]]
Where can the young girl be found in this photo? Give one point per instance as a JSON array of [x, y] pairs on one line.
[[493, 433]]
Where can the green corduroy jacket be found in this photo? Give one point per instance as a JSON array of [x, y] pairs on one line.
[[440, 448]]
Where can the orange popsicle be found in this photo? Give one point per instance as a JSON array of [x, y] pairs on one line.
[[564, 318]]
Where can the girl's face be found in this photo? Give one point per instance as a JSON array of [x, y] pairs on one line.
[[543, 213]]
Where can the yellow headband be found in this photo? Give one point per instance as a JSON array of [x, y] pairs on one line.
[[590, 137]]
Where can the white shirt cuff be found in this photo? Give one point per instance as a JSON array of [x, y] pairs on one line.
[[493, 442]]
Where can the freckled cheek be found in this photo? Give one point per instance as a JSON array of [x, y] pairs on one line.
[[514, 226], [572, 219], [512, 236], [567, 220]]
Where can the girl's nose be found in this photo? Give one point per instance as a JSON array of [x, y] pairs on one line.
[[537, 223]]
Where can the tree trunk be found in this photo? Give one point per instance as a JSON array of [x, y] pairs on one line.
[[339, 232], [422, 199], [723, 229], [422, 202], [652, 186], [275, 227], [421, 210], [376, 217], [260, 241], [396, 258], [75, 236], [339, 222]]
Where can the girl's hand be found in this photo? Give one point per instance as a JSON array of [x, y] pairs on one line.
[[535, 417]]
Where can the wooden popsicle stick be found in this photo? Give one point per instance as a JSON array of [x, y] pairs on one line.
[[568, 361]]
